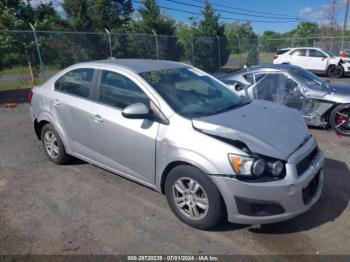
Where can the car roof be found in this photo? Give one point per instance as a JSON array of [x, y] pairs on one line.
[[140, 65], [265, 67]]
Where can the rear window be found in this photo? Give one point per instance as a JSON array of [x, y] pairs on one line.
[[282, 51]]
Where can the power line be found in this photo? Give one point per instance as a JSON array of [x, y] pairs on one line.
[[230, 12], [224, 18], [246, 10]]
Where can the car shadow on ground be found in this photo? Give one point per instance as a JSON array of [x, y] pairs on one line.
[[76, 162], [333, 202]]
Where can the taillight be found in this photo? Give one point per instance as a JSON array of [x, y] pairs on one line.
[[30, 96], [275, 56]]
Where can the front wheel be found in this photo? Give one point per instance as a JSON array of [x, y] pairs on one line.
[[336, 71], [193, 197], [340, 119]]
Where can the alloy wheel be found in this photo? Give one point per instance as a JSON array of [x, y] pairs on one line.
[[342, 121], [51, 144], [190, 198]]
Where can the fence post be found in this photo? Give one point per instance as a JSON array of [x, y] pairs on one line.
[[38, 50], [156, 37], [331, 44], [192, 45], [219, 52], [110, 42], [239, 49]]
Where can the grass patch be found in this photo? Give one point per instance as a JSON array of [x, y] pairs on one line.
[[18, 84], [21, 70], [264, 58]]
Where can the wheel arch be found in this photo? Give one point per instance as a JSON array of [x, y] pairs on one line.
[[175, 164], [45, 118], [38, 126], [167, 170]]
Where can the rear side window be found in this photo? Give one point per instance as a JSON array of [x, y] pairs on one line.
[[119, 91], [299, 52], [282, 51], [76, 82]]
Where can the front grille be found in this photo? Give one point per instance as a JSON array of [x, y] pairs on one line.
[[305, 163]]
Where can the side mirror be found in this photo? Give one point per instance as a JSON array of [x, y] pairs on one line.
[[296, 91], [137, 111]]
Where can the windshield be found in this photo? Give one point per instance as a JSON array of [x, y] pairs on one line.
[[309, 79], [191, 92], [328, 53]]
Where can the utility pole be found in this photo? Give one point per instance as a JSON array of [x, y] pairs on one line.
[[332, 22], [345, 22]]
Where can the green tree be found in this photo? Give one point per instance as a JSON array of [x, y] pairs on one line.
[[271, 41], [302, 32], [210, 40], [152, 20], [94, 16], [18, 48]]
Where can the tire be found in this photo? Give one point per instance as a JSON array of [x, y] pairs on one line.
[[203, 188], [53, 146], [339, 119], [335, 71]]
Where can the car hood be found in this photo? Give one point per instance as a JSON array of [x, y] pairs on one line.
[[338, 92], [266, 128]]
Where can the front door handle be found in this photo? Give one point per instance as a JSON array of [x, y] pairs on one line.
[[97, 118], [56, 102]]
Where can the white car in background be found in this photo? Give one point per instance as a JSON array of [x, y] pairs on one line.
[[314, 59]]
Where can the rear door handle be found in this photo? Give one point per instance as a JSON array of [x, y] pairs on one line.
[[56, 102], [97, 118]]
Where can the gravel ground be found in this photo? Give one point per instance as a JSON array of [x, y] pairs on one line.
[[81, 209]]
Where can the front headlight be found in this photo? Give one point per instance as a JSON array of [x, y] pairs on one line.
[[276, 168], [247, 166], [257, 166]]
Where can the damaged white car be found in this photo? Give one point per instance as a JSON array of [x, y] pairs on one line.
[[314, 59]]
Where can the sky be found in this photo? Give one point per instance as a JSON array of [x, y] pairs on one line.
[[309, 10]]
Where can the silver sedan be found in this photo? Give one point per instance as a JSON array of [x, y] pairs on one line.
[[176, 129]]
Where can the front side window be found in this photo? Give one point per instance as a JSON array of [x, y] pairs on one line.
[[119, 91], [76, 82], [299, 52], [316, 53], [191, 92], [267, 88], [278, 88]]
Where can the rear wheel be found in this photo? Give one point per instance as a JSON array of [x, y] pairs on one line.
[[193, 197], [53, 145], [336, 71], [340, 119]]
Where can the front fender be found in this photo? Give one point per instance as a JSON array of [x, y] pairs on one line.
[[185, 156]]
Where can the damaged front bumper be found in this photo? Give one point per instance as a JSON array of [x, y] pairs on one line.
[[270, 202]]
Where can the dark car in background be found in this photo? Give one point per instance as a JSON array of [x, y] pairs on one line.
[[320, 103]]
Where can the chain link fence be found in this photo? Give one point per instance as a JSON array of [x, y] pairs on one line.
[[335, 44], [30, 57]]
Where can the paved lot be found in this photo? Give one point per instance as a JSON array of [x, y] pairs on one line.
[[81, 209]]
